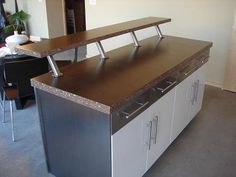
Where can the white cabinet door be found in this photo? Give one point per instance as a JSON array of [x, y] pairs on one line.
[[188, 100], [181, 106], [199, 83], [202, 80], [161, 114], [129, 148], [137, 145]]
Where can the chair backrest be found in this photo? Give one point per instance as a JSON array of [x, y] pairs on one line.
[[21, 71]]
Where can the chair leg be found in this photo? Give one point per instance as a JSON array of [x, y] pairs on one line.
[[1, 98], [12, 122], [3, 106]]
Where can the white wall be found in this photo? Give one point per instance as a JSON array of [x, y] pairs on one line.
[[38, 23], [230, 74], [209, 20], [9, 6], [56, 18]]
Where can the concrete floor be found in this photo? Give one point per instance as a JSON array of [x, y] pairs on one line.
[[206, 148]]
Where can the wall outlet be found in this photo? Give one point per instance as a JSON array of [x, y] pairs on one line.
[[35, 38], [92, 2]]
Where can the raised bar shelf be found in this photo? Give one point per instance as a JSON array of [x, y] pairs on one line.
[[50, 47]]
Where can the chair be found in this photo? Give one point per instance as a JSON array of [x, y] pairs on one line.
[[2, 84], [18, 74]]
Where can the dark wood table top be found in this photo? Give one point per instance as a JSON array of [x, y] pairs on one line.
[[10, 57], [59, 44], [128, 72]]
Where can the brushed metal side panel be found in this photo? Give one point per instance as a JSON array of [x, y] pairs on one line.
[[76, 139]]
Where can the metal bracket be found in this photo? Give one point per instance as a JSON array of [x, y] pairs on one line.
[[54, 67], [101, 50], [159, 32], [135, 40]]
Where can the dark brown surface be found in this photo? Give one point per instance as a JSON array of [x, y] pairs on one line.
[[23, 86], [61, 63], [19, 72], [59, 44], [11, 93], [128, 72]]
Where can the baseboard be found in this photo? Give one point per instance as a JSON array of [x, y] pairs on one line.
[[214, 84]]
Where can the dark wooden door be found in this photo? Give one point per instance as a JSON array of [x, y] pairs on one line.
[[75, 16]]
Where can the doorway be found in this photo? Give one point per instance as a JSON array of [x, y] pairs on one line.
[[74, 13], [75, 16]]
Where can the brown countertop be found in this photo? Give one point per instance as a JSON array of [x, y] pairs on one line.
[[128, 72]]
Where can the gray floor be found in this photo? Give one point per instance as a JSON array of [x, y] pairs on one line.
[[25, 157], [206, 148]]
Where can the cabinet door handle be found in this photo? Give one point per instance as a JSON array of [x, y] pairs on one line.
[[193, 93], [197, 90], [156, 122], [189, 71], [149, 125], [142, 105], [169, 86]]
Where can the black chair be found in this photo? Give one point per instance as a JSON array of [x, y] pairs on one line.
[[18, 74]]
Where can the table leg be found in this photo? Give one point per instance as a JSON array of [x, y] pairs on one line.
[[20, 103]]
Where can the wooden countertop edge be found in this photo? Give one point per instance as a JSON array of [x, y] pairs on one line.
[[71, 97]]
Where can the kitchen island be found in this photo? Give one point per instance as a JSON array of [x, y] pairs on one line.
[[114, 117]]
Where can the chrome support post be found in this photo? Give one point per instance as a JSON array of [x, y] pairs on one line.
[[159, 32], [101, 50], [135, 40], [54, 67]]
